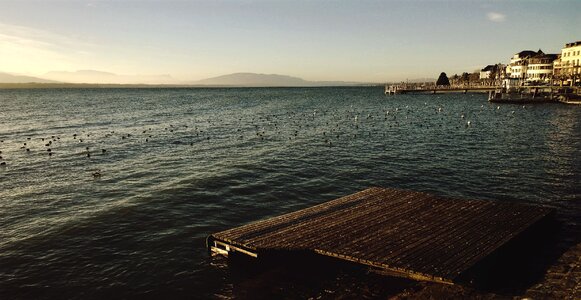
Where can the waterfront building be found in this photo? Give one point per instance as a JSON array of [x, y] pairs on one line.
[[567, 68], [540, 68], [487, 71], [491, 74], [531, 67], [518, 64]]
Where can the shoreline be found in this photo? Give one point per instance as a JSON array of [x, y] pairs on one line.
[[12, 86]]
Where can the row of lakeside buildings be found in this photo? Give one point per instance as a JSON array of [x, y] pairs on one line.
[[532, 68]]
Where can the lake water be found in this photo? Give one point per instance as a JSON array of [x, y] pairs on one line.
[[180, 164]]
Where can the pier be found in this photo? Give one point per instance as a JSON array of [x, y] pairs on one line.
[[433, 89], [396, 232], [536, 94], [500, 94]]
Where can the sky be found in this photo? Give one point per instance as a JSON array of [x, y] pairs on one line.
[[366, 41]]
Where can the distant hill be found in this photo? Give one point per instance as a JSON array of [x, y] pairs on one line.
[[9, 78], [92, 76], [265, 80]]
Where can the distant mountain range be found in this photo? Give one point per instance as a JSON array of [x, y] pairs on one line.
[[88, 76], [266, 80], [10, 78], [230, 80], [92, 76]]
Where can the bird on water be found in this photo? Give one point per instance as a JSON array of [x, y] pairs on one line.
[[96, 173]]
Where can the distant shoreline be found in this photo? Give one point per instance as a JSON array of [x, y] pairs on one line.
[[153, 86]]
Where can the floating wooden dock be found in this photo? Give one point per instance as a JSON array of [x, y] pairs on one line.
[[402, 233]]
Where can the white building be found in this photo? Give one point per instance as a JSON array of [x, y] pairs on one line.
[[531, 67], [487, 71], [568, 66], [492, 74], [518, 64], [540, 68]]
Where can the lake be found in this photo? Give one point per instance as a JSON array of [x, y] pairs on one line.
[[136, 179]]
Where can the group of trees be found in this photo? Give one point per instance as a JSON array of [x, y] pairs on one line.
[[495, 73], [464, 78]]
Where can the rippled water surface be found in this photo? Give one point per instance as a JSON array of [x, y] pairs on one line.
[[180, 164]]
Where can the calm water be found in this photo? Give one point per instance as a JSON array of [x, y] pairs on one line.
[[182, 163]]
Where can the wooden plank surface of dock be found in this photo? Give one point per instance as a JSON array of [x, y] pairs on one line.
[[404, 233]]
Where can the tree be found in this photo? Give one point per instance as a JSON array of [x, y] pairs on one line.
[[493, 73], [474, 77], [455, 79], [443, 79]]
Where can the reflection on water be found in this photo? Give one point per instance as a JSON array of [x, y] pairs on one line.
[[182, 163]]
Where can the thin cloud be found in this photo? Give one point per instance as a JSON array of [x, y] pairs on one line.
[[496, 17], [30, 50], [32, 37]]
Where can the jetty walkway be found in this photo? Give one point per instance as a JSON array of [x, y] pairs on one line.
[[517, 94], [396, 232], [412, 89]]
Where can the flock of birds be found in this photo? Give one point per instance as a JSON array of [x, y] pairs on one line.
[[327, 126]]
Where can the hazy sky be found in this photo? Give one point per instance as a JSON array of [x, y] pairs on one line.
[[316, 40]]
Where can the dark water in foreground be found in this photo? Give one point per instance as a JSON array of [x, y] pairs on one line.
[[183, 163]]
